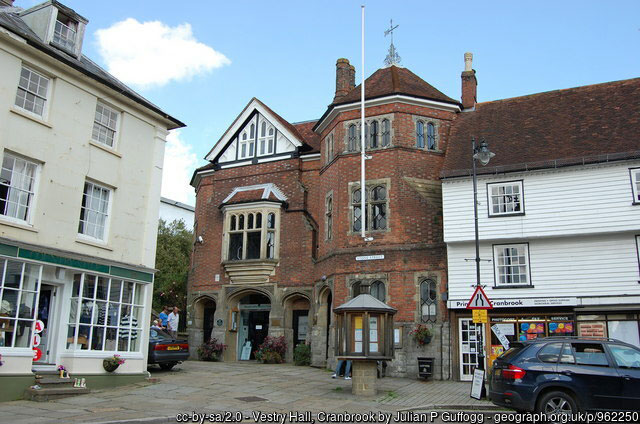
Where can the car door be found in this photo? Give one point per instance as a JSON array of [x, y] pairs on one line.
[[586, 368], [627, 361]]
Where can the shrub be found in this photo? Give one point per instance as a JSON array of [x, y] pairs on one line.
[[211, 350], [272, 350], [302, 354]]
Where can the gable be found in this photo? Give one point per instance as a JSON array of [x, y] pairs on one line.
[[257, 133]]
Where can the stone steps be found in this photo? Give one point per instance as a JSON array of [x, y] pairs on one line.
[[53, 387]]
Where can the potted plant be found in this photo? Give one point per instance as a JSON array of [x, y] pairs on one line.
[[112, 363], [421, 335], [61, 370], [272, 351], [211, 350]]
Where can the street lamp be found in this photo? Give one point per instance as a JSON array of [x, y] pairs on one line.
[[483, 155]]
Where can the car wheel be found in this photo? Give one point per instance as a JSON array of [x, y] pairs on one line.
[[557, 404], [167, 366]]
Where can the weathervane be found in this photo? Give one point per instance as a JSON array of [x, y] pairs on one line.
[[392, 57]]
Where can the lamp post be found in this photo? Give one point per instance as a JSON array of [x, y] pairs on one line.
[[483, 155]]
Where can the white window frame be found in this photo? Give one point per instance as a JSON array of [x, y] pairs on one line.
[[491, 197], [36, 94], [100, 124], [67, 43], [634, 175], [32, 192], [248, 142], [251, 209], [268, 140], [121, 329], [105, 232], [523, 253]]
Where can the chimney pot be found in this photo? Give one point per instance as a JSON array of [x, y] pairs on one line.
[[352, 76], [469, 83], [343, 78]]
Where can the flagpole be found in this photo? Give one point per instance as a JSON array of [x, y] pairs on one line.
[[363, 206]]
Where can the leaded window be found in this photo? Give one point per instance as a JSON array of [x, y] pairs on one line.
[[329, 217], [105, 314], [375, 216], [420, 135], [511, 264], [377, 290], [428, 300], [19, 287], [33, 89], [431, 136], [353, 138], [374, 135], [251, 235], [386, 133], [329, 146], [17, 187]]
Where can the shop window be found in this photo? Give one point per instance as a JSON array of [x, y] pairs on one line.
[[19, 291], [505, 198], [105, 314], [377, 202], [511, 264], [251, 234], [428, 300], [17, 187]]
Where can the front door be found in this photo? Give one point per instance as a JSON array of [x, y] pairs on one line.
[[258, 329], [469, 334], [207, 324], [46, 314]]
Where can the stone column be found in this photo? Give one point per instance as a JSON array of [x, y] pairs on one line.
[[365, 374]]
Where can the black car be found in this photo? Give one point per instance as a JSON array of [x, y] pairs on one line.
[[166, 351], [564, 375]]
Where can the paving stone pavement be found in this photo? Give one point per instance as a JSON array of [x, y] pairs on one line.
[[220, 386]]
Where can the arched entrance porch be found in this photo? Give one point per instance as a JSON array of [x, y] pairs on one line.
[[249, 324]]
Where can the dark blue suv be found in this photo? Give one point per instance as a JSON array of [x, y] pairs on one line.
[[564, 375]]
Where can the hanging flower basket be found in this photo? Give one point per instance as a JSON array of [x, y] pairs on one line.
[[111, 364], [422, 335]]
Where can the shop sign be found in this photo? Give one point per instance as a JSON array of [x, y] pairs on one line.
[[501, 337], [37, 354], [520, 303], [36, 340], [480, 316], [39, 326], [477, 384]]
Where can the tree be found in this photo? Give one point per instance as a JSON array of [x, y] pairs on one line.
[[173, 258]]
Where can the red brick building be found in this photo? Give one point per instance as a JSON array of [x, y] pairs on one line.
[[278, 220]]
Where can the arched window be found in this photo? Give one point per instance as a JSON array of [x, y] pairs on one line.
[[373, 135], [266, 139], [355, 289], [386, 133], [378, 290], [431, 136], [428, 300], [357, 210], [353, 138], [420, 135]]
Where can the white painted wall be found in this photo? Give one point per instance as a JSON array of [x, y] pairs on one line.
[[171, 212], [571, 201], [61, 142]]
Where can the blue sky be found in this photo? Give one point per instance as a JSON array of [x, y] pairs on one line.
[[284, 53]]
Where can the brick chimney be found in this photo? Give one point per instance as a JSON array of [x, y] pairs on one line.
[[343, 78], [352, 76], [469, 83]]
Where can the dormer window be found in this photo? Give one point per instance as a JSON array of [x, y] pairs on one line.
[[65, 32]]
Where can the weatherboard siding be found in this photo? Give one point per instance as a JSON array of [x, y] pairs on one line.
[[591, 266], [564, 202]]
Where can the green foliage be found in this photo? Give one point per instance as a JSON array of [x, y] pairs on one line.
[[211, 351], [272, 350], [302, 354], [173, 257]]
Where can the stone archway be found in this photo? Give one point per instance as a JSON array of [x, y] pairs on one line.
[[297, 323], [249, 321], [320, 347], [200, 329]]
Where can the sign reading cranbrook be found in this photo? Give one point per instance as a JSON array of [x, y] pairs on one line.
[[520, 303]]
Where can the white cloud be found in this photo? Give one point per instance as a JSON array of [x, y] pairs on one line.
[[179, 163], [153, 54]]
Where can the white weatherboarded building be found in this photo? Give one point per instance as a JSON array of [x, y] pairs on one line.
[[559, 218]]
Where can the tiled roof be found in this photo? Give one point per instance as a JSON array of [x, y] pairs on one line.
[[589, 124], [305, 129], [395, 80], [256, 193], [10, 20]]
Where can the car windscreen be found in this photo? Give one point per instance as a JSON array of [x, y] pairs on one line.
[[513, 350], [158, 334]]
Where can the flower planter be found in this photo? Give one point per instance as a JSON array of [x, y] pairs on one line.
[[109, 366]]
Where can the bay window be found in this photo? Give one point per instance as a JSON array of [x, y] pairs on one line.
[[251, 233]]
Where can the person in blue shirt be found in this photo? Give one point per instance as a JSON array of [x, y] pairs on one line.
[[164, 317]]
